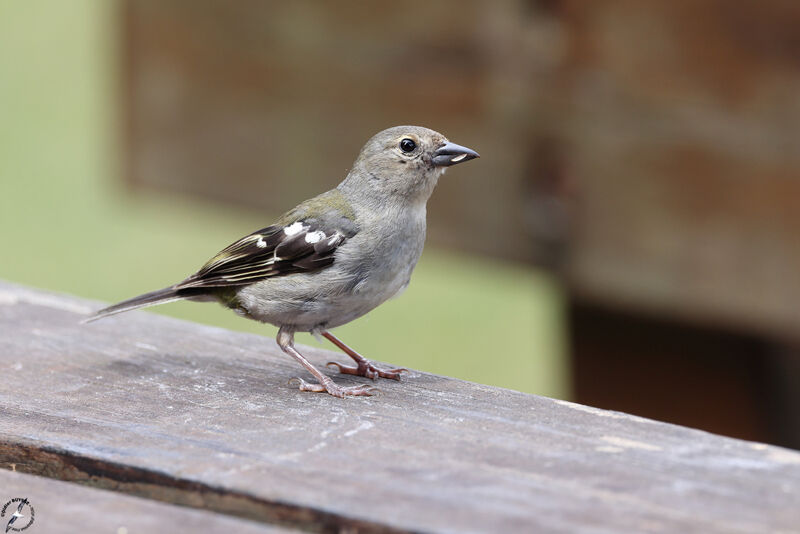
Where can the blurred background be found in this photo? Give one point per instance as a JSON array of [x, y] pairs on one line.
[[628, 240]]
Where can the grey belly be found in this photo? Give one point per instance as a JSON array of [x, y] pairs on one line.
[[367, 270], [325, 299]]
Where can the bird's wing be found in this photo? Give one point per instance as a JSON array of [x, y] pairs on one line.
[[303, 245]]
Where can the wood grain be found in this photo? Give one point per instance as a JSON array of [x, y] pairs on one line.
[[203, 417]]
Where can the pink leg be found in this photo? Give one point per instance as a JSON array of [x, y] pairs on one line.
[[326, 385], [363, 366]]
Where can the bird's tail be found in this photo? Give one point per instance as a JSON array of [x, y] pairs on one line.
[[168, 294]]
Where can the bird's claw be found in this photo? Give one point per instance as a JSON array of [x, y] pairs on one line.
[[368, 370], [363, 390]]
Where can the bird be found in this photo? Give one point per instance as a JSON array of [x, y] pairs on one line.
[[332, 258]]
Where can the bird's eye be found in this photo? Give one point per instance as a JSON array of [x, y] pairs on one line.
[[407, 145]]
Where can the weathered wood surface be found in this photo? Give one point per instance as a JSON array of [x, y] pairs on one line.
[[64, 508], [203, 417]]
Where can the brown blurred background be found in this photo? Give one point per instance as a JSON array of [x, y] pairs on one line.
[[643, 152]]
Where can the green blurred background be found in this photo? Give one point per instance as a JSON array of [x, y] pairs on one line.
[[70, 223]]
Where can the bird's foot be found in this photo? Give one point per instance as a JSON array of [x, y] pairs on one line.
[[365, 368], [330, 387]]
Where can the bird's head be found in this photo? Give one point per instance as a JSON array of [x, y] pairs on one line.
[[404, 162]]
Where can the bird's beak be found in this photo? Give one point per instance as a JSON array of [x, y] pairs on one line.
[[451, 153]]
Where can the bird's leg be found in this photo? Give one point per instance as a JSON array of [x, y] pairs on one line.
[[286, 343], [363, 367]]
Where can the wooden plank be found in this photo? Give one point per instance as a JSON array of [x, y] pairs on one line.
[[60, 507], [203, 417]]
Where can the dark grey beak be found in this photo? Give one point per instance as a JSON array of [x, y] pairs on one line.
[[451, 153]]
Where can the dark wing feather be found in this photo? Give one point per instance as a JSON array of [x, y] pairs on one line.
[[308, 246]]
